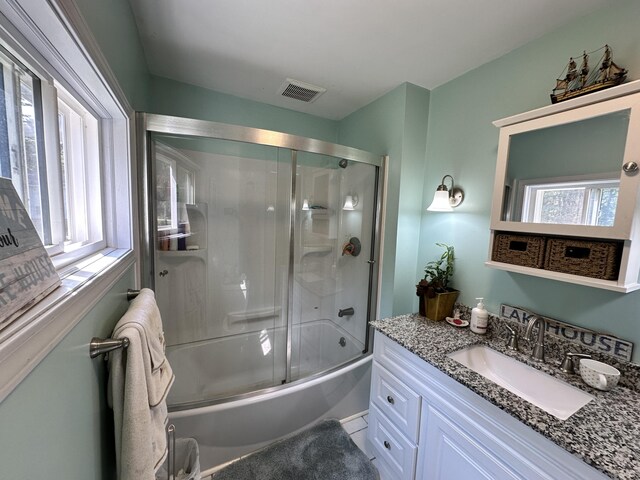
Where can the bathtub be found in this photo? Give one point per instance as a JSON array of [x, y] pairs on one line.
[[230, 429]]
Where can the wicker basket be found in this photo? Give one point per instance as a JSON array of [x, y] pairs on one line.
[[525, 250], [583, 257]]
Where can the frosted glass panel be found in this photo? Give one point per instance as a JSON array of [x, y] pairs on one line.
[[221, 251], [329, 275], [248, 303]]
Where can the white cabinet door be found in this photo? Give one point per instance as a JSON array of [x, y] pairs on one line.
[[450, 453]]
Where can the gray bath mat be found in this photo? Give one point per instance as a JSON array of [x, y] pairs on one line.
[[323, 452]]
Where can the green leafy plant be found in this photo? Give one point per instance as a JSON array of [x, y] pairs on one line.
[[438, 273]]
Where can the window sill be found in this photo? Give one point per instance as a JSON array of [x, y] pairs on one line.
[[28, 340]]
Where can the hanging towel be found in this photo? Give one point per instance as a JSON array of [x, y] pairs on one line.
[[139, 380]]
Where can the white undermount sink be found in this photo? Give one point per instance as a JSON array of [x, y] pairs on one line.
[[550, 394]]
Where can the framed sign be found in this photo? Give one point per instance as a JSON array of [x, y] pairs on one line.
[[26, 272]]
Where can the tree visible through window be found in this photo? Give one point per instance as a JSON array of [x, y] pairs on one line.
[[571, 203]]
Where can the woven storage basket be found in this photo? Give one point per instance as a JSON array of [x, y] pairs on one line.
[[524, 250], [583, 257]]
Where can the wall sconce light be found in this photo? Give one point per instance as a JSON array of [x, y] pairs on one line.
[[350, 202], [305, 204], [445, 199]]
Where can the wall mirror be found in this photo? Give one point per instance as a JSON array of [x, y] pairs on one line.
[[563, 173], [566, 198], [567, 174]]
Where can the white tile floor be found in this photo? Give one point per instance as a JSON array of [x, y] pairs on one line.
[[357, 430]]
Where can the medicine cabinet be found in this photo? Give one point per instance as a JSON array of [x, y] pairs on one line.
[[566, 191]]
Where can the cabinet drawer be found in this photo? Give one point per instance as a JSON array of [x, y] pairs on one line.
[[396, 401], [397, 452]]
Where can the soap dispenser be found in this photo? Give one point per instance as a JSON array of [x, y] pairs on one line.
[[479, 318]]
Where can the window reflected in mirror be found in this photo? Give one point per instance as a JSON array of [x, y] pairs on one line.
[[590, 202], [567, 174]]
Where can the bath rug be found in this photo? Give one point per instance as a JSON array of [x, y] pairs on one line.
[[322, 452]]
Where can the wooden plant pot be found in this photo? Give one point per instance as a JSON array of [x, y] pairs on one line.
[[440, 306]]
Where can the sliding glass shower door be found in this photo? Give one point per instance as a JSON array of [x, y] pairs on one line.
[[221, 263], [332, 255], [263, 261]]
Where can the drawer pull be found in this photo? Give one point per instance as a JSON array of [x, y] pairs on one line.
[[390, 399], [387, 445]]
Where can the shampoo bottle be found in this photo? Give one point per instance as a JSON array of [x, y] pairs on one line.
[[479, 318]]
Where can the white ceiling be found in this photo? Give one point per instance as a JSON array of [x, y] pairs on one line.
[[356, 49]]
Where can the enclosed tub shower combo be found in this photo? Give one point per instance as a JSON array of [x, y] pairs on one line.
[[262, 249]]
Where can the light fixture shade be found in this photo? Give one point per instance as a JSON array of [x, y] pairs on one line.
[[441, 202]]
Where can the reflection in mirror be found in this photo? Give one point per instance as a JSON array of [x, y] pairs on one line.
[[566, 174]]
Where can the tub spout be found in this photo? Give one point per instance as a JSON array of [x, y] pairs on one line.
[[346, 312]]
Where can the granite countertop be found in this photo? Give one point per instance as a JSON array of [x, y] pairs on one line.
[[605, 433]]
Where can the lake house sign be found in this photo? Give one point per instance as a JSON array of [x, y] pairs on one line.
[[26, 272]]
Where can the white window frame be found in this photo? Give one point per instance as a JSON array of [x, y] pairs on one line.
[[82, 176], [53, 36]]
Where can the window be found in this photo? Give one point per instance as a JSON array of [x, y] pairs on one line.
[[591, 202], [59, 183], [65, 142], [79, 166], [21, 137]]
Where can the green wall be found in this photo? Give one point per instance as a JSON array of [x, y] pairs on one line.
[[463, 142], [115, 30], [169, 97], [56, 423], [396, 124]]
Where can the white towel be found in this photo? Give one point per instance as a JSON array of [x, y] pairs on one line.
[[139, 380]]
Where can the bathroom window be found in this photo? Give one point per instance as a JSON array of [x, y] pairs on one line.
[[79, 172], [65, 142], [21, 136], [591, 202], [54, 166]]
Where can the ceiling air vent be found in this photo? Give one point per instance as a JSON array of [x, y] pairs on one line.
[[300, 91]]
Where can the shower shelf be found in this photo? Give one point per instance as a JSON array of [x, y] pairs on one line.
[[183, 253], [321, 212], [317, 250]]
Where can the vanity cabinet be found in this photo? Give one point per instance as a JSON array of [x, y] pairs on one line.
[[569, 173], [424, 425]]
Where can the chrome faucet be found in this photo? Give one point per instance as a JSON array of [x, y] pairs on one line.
[[538, 349]]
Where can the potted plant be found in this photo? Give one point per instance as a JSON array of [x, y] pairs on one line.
[[438, 297]]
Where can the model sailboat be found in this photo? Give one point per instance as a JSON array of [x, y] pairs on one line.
[[583, 80]]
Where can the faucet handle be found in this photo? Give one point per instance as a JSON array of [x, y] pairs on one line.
[[512, 341], [566, 365]]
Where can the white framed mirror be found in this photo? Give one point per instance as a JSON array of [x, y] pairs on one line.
[[563, 174], [569, 173]]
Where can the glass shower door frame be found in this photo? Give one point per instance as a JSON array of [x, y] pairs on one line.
[[147, 124]]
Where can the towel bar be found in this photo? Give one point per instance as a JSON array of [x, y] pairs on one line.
[[131, 294], [99, 346]]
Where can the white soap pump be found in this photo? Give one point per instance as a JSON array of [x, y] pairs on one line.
[[479, 318]]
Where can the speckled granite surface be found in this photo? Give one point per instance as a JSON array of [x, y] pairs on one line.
[[605, 433]]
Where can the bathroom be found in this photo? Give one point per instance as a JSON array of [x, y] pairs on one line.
[[59, 409]]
